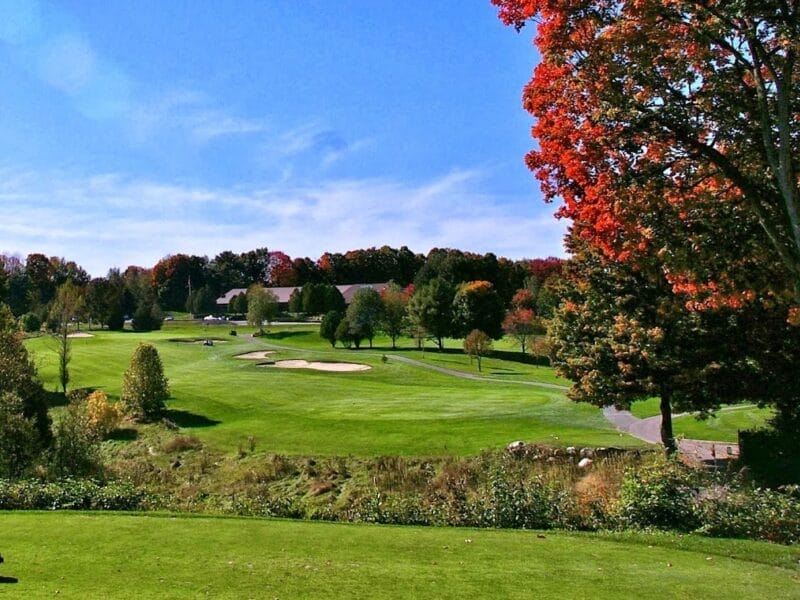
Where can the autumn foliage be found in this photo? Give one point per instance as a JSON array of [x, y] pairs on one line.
[[670, 127]]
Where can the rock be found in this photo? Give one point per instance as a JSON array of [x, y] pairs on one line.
[[572, 451], [552, 459], [585, 463], [516, 447]]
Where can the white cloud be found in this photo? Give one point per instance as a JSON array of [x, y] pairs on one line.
[[108, 220]]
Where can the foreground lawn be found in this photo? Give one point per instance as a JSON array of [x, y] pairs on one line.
[[392, 409], [75, 555]]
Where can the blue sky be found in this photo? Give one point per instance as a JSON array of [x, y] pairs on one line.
[[136, 129]]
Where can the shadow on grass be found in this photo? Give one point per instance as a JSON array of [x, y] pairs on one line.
[[126, 434], [8, 579], [184, 418], [282, 335]]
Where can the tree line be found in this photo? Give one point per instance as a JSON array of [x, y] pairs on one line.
[[191, 283]]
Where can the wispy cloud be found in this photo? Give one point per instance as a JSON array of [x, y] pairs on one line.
[[109, 220], [190, 112]]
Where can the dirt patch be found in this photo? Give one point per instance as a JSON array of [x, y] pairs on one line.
[[320, 366], [260, 355], [80, 334]]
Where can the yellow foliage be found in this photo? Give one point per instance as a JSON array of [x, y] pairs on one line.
[[102, 416]]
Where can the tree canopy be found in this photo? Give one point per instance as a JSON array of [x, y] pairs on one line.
[[673, 125]]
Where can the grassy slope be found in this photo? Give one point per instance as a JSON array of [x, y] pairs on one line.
[[391, 409], [122, 556]]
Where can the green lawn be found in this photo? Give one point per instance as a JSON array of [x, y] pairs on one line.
[[393, 409], [723, 426], [79, 555]]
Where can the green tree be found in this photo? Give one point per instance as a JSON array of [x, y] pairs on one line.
[[19, 378], [19, 442], [395, 309], [344, 334], [66, 307], [144, 386], [296, 301], [477, 345], [364, 314], [328, 326], [622, 335], [262, 305], [431, 309], [75, 451], [478, 306], [148, 316]]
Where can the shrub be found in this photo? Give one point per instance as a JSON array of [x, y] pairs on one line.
[[103, 417], [72, 495], [74, 451], [31, 323], [659, 495], [761, 514], [19, 444], [144, 387]]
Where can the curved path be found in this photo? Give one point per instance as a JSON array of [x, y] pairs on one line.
[[648, 430]]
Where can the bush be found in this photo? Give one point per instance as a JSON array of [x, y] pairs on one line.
[[31, 323], [144, 387], [772, 456], [19, 444], [753, 513], [71, 494], [103, 417], [74, 451], [659, 495]]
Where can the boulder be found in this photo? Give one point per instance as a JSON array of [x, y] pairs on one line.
[[587, 453], [585, 463], [516, 447]]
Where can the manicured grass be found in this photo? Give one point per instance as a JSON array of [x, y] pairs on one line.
[[393, 409], [723, 426], [74, 555]]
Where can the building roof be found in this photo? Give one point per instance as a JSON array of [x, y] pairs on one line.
[[283, 293]]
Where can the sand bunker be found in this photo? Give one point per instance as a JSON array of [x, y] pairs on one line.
[[320, 366], [80, 334], [255, 355]]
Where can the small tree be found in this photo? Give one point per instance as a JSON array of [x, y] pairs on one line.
[[148, 316], [67, 305], [75, 445], [327, 328], [344, 335], [522, 324], [395, 303], [364, 314], [144, 387], [262, 305], [431, 309], [477, 345]]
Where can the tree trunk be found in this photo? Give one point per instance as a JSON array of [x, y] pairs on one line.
[[667, 437]]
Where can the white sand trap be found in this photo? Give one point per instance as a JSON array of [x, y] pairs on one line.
[[80, 334], [255, 355], [320, 366]]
